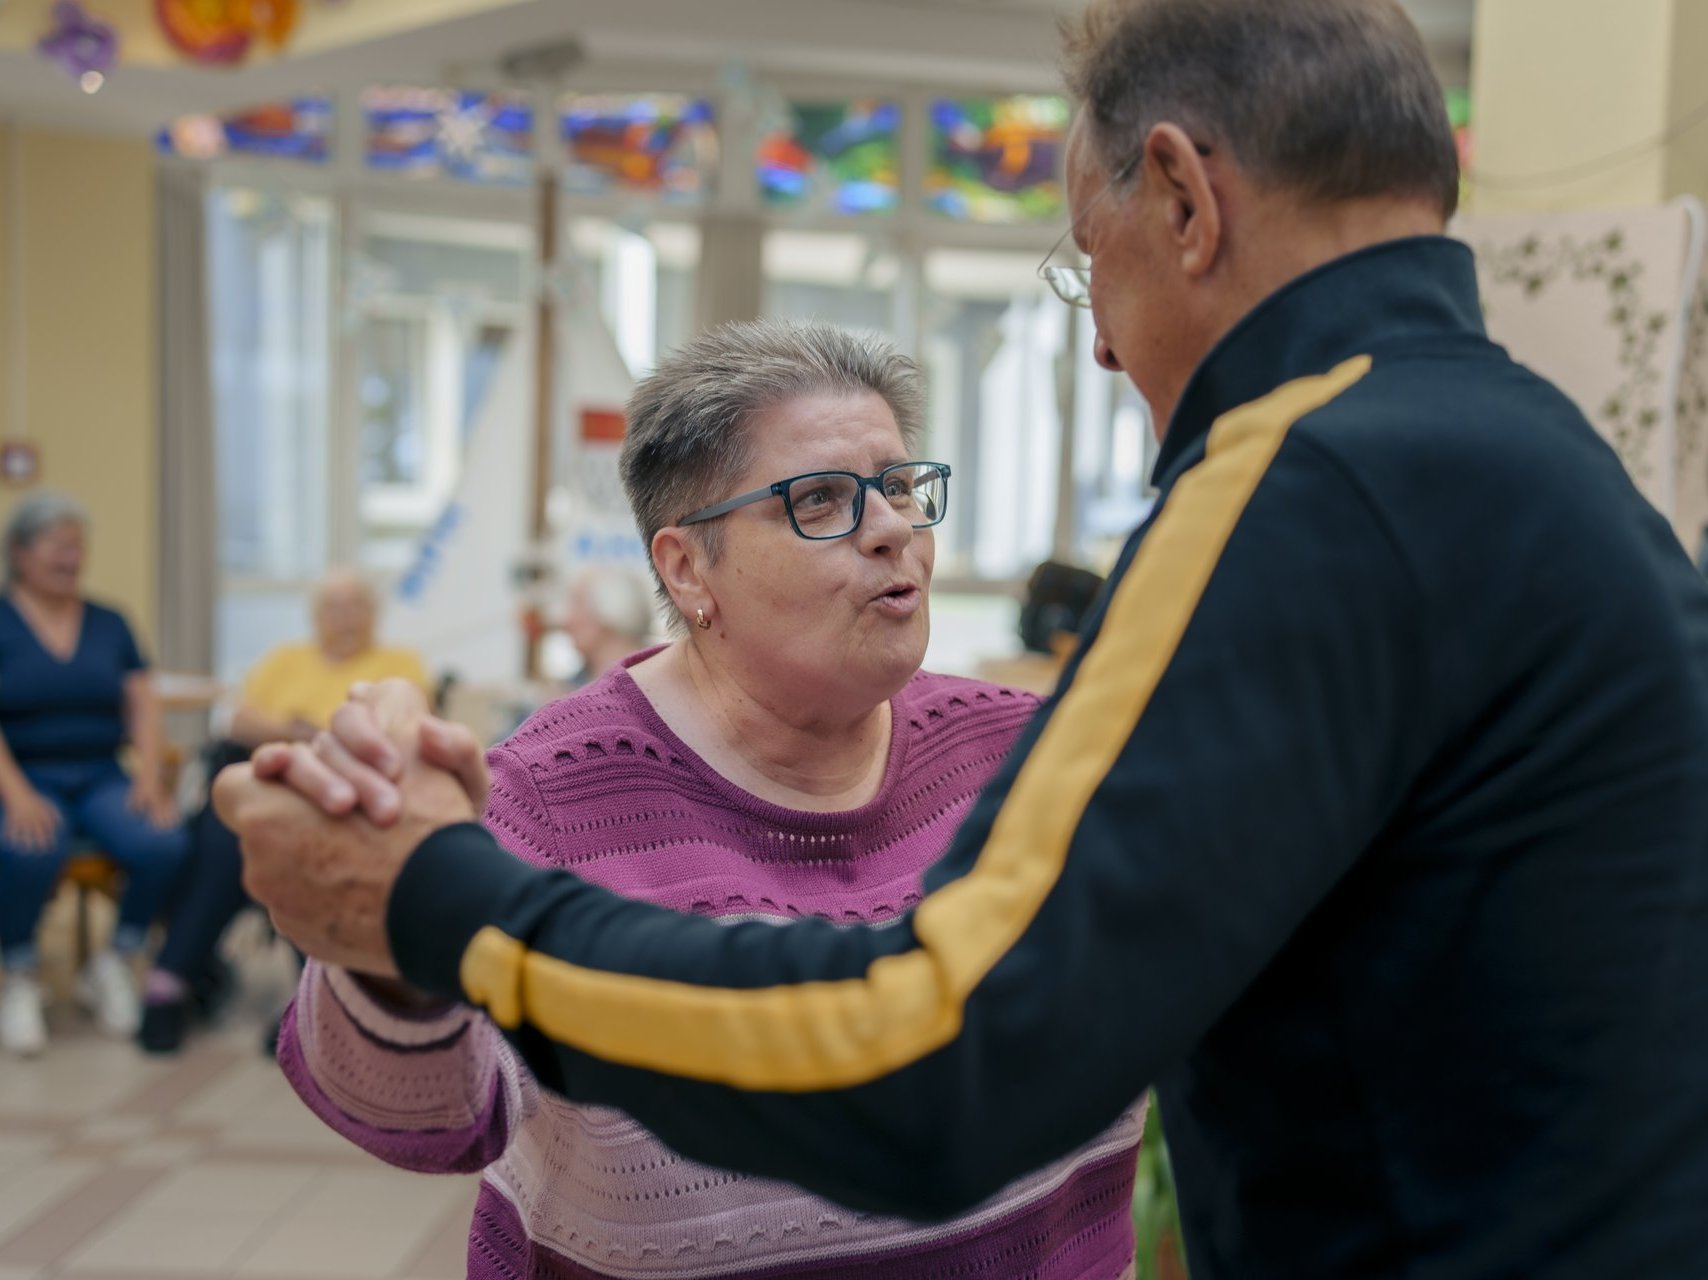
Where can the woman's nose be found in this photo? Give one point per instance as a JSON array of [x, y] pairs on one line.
[[882, 528]]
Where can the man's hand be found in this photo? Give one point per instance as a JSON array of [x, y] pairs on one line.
[[356, 764], [325, 880]]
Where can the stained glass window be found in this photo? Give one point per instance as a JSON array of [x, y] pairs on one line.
[[997, 159], [298, 129], [473, 137], [662, 144], [840, 156], [1459, 116]]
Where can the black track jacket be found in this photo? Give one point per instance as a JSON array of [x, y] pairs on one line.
[[1370, 824]]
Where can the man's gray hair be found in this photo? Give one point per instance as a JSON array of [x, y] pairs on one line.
[[687, 443], [33, 516], [1332, 99]]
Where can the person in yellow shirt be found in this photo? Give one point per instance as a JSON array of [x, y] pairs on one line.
[[293, 691], [290, 695]]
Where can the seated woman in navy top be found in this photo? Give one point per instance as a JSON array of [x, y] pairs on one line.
[[73, 689]]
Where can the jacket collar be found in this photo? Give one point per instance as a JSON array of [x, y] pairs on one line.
[[1396, 292]]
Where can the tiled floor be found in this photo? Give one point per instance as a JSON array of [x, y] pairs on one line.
[[118, 1166]]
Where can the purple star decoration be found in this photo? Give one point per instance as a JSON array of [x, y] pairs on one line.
[[79, 43]]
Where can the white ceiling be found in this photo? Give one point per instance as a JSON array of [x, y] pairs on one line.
[[964, 43]]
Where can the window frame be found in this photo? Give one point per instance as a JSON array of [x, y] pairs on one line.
[[910, 233]]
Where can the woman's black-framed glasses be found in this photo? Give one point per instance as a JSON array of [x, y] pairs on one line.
[[828, 504]]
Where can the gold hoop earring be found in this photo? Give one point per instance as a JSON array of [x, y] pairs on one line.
[[701, 620]]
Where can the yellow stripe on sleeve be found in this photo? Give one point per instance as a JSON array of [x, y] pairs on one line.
[[836, 1034]]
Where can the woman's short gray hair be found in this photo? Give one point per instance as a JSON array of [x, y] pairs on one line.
[[687, 442], [33, 516]]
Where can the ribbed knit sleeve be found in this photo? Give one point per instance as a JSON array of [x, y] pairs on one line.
[[440, 1093]]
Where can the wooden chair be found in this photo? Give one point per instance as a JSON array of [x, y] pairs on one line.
[[90, 871]]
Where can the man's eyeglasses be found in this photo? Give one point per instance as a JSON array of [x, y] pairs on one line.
[[828, 504], [1073, 284]]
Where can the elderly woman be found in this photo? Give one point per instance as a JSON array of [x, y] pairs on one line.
[[290, 695], [73, 690], [785, 756]]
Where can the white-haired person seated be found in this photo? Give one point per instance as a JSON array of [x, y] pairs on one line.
[[611, 615], [290, 695], [74, 690], [783, 756]]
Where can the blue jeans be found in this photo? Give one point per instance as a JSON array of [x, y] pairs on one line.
[[90, 799], [210, 887]]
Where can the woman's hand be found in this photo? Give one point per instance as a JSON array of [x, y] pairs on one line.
[[151, 801], [326, 881], [31, 821], [356, 764]]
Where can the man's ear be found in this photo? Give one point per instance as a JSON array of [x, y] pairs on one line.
[[1176, 169], [680, 559]]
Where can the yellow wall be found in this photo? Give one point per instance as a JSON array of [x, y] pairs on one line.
[[1687, 156], [81, 225], [1557, 83], [6, 308]]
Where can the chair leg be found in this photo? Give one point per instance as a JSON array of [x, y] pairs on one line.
[[83, 947]]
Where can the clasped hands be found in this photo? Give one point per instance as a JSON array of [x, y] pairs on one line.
[[327, 825]]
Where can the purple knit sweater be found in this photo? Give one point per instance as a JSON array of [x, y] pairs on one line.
[[598, 784]]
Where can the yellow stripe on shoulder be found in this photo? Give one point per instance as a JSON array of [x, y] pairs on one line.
[[829, 1035]]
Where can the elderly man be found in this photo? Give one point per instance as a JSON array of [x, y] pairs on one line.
[[1370, 823], [290, 695]]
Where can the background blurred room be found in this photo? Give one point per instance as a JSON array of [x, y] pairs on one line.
[[293, 284]]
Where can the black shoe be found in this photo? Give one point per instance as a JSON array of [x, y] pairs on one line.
[[164, 1025], [213, 990], [270, 1041]]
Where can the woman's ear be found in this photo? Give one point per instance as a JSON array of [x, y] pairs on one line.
[[680, 557]]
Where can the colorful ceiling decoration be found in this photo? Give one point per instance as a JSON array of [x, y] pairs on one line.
[[84, 47], [221, 32]]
